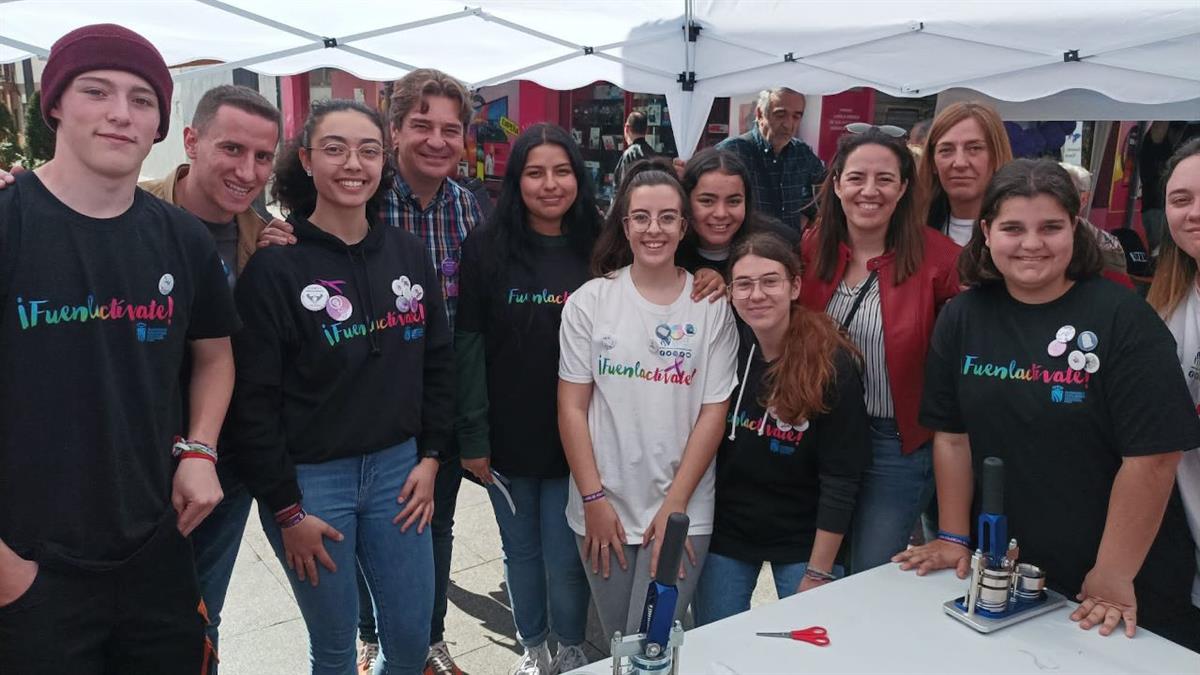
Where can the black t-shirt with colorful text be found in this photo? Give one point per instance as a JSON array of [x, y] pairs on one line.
[[1063, 392], [518, 308], [95, 317]]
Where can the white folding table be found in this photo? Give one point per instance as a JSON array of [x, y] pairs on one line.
[[889, 621]]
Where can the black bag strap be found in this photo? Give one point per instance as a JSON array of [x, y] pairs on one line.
[[862, 293]]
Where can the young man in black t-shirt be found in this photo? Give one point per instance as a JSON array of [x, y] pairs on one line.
[[102, 289]]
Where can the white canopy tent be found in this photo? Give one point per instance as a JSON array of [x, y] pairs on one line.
[[1131, 58]]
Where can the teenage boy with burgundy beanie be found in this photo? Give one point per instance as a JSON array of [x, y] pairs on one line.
[[102, 289]]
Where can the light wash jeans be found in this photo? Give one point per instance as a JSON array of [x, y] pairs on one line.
[[728, 583], [357, 496], [891, 497]]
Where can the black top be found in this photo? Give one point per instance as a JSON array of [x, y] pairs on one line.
[[1152, 163], [95, 317], [688, 254], [638, 150], [775, 489], [1061, 432], [517, 310], [345, 352]]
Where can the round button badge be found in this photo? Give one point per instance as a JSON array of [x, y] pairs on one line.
[[449, 267], [1056, 349], [1065, 334], [403, 304], [1076, 360], [400, 286], [166, 283], [418, 292], [803, 426], [314, 297], [339, 308], [1088, 341], [1091, 362]]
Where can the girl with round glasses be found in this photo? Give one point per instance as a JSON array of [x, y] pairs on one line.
[[788, 469], [874, 267], [645, 375], [339, 327]]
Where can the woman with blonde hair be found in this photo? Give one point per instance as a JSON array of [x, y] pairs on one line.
[[967, 144]]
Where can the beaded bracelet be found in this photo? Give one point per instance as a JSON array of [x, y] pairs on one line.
[[599, 494], [290, 516], [954, 538], [818, 575], [185, 449]]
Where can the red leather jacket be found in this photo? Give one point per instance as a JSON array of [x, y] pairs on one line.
[[909, 311]]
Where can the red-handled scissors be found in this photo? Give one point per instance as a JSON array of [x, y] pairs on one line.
[[813, 635]]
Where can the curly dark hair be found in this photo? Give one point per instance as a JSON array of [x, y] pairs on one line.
[[294, 188]]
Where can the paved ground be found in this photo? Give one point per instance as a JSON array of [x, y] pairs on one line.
[[262, 632]]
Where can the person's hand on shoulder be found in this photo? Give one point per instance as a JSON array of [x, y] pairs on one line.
[[707, 283], [9, 177], [277, 233]]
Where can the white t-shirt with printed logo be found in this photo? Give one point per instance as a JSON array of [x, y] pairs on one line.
[[652, 367]]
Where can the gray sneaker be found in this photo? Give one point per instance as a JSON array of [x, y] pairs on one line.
[[536, 661], [569, 658]]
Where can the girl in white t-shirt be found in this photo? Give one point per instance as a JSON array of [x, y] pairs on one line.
[[645, 376], [1175, 295]]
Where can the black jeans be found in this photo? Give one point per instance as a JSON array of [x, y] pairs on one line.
[[140, 618], [445, 497]]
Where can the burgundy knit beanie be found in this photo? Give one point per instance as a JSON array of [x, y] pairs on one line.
[[105, 46]]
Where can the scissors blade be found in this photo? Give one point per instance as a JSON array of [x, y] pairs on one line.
[[777, 635]]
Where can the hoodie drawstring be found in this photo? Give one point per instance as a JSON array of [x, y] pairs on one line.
[[369, 308], [742, 390]]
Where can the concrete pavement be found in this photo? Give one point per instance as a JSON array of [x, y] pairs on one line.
[[262, 632]]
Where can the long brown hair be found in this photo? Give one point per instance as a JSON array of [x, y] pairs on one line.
[[1029, 178], [1176, 271], [905, 233], [937, 204], [799, 382], [612, 250]]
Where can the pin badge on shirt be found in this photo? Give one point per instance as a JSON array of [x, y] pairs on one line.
[[403, 304], [1091, 362], [451, 289], [339, 308], [1056, 349], [1087, 341], [401, 286], [1065, 334], [314, 297], [166, 283], [417, 292], [1076, 360], [608, 342], [449, 267]]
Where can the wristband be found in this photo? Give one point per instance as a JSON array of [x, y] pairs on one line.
[[290, 516], [185, 449], [599, 494], [818, 575], [959, 539]]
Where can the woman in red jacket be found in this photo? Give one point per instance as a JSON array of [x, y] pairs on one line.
[[879, 272]]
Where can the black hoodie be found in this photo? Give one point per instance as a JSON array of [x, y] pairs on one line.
[[345, 352]]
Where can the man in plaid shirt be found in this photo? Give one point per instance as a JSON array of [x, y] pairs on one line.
[[783, 168]]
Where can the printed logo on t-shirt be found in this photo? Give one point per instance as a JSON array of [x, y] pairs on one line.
[[673, 374], [674, 340], [151, 320], [784, 437], [516, 296], [328, 298], [1068, 385]]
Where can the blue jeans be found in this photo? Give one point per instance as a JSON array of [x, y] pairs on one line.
[[357, 497], [727, 584], [892, 495], [215, 543], [541, 562]]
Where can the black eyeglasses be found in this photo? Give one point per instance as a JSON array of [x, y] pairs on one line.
[[863, 127]]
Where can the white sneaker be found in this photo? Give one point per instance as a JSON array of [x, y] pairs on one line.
[[569, 658], [536, 661]]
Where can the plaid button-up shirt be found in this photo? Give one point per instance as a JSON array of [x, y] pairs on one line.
[[443, 226], [783, 183]]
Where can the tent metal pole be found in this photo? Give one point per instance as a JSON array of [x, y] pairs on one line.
[[883, 86], [716, 37], [17, 44], [245, 63], [939, 86], [377, 57], [649, 37], [487, 16], [366, 35], [258, 18], [504, 77], [634, 65]]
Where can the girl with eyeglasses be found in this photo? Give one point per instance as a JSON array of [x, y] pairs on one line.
[[1175, 295], [645, 375], [518, 271], [345, 395], [1073, 382], [874, 267], [788, 470]]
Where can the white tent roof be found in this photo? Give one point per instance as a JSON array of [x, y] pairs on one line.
[[1138, 54]]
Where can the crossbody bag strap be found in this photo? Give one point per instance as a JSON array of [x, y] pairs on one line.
[[862, 293]]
